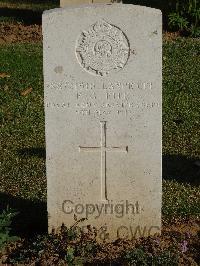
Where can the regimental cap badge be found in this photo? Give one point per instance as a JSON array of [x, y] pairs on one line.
[[102, 49]]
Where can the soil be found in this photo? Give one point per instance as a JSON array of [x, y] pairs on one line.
[[175, 236], [170, 36], [17, 32]]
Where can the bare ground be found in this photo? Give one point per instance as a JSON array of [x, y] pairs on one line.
[[20, 33], [17, 32]]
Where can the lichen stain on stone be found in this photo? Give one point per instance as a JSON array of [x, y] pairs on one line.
[[58, 69]]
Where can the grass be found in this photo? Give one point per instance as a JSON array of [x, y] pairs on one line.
[[181, 127], [181, 102], [22, 124], [22, 118]]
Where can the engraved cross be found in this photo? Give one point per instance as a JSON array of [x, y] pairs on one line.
[[103, 149]]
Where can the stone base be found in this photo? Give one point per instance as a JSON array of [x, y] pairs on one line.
[[64, 3]]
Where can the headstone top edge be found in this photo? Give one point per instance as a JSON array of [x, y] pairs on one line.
[[72, 7], [97, 5]]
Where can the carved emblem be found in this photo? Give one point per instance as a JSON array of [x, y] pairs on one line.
[[102, 49]]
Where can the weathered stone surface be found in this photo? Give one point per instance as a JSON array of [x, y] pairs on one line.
[[102, 77], [64, 3]]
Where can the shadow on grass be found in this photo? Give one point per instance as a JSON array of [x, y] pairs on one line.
[[175, 167], [181, 169], [28, 17], [29, 152], [32, 218], [164, 5]]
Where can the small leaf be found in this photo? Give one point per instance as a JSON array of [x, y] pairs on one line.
[[26, 92], [4, 75]]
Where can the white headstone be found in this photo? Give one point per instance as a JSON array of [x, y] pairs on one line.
[[102, 77]]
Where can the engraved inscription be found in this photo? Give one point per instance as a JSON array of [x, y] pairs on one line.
[[103, 149], [103, 98], [102, 49], [73, 85]]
